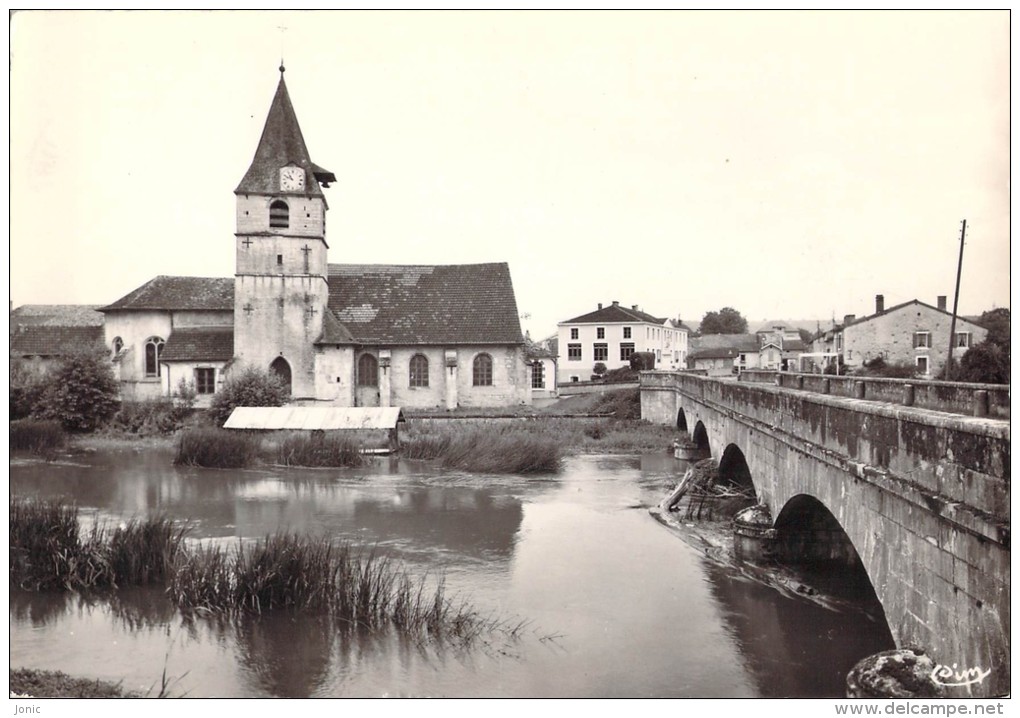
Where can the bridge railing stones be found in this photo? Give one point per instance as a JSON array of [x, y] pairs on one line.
[[923, 495], [954, 397]]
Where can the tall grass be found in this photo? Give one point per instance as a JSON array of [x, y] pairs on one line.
[[37, 436], [360, 591], [216, 448], [514, 449], [49, 549], [319, 449]]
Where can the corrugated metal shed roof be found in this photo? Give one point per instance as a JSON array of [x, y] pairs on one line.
[[314, 418]]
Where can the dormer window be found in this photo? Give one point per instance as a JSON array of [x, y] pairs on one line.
[[279, 214]]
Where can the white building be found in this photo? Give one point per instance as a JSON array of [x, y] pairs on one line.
[[611, 334]]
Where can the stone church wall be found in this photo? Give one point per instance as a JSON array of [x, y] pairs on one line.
[[334, 375], [511, 381]]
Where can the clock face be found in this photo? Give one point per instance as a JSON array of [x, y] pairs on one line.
[[292, 179]]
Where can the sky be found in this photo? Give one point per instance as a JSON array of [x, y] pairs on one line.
[[788, 164]]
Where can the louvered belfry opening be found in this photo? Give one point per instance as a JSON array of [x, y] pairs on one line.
[[279, 215]]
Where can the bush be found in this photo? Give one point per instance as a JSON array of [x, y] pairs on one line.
[[880, 368], [26, 391], [641, 361], [148, 418], [251, 387], [216, 448], [984, 363], [625, 404], [623, 373], [39, 437], [82, 394]]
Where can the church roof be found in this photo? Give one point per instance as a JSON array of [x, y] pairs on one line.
[[199, 344], [333, 332], [281, 144], [57, 315], [425, 304], [179, 293], [46, 340]]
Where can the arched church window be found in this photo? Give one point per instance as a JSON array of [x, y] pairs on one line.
[[279, 214], [153, 348], [481, 373], [118, 344], [419, 371], [368, 371]]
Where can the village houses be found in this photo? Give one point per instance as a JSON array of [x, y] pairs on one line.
[[611, 334], [912, 333]]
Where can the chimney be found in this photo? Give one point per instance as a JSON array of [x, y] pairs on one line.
[[942, 302], [600, 305], [879, 304], [848, 318], [634, 307], [616, 303]]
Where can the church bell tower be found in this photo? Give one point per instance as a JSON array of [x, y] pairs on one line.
[[281, 274]]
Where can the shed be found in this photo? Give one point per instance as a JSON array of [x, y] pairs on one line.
[[318, 418]]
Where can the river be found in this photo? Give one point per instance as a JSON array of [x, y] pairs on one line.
[[616, 603]]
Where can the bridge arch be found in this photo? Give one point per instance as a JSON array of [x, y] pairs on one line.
[[733, 469], [700, 438], [810, 536], [681, 420]]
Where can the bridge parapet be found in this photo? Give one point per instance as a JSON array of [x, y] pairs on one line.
[[949, 396], [923, 495]]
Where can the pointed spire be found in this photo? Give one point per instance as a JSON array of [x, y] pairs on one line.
[[281, 144]]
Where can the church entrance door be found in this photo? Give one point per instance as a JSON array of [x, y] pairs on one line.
[[281, 368]]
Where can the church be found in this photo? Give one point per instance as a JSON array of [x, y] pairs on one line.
[[336, 334]]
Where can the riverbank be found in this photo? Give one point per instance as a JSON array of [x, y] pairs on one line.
[[31, 683], [576, 434]]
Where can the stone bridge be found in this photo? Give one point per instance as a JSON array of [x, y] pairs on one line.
[[919, 498]]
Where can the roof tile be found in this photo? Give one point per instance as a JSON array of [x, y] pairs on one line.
[[199, 344], [179, 293], [425, 304]]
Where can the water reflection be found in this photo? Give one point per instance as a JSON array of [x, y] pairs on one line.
[[285, 655], [636, 611], [792, 647]]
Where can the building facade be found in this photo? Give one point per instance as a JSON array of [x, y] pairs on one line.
[[347, 335], [912, 333], [610, 335]]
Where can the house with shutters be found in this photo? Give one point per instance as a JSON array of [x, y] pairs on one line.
[[610, 334], [339, 334], [913, 333]]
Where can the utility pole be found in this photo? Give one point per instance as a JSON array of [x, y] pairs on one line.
[[956, 300]]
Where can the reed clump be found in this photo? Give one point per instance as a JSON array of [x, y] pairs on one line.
[[50, 550], [319, 449], [358, 590], [216, 448], [37, 436], [518, 449]]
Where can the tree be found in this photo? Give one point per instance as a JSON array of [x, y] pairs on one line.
[[640, 361], [726, 321], [996, 321], [82, 394], [985, 363], [250, 387], [988, 361], [26, 390]]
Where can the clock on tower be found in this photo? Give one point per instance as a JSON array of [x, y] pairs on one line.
[[292, 179]]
